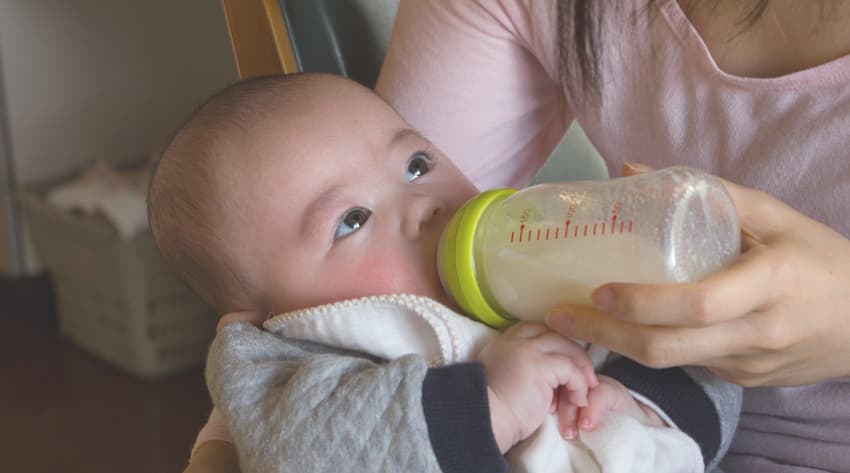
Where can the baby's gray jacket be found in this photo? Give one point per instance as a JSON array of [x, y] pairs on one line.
[[297, 406]]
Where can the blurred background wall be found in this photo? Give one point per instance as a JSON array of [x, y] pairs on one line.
[[84, 80]]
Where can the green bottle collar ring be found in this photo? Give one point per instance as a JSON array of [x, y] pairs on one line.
[[457, 259]]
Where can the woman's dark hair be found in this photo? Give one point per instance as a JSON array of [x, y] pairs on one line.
[[579, 25]]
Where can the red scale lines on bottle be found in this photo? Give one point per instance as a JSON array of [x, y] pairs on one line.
[[528, 233]]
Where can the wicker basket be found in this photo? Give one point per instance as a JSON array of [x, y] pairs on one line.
[[115, 297]]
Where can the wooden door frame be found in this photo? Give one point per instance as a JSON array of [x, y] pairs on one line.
[[260, 38]]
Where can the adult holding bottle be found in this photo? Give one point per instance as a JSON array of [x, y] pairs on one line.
[[756, 92]]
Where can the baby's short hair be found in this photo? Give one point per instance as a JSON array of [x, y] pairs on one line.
[[185, 195]]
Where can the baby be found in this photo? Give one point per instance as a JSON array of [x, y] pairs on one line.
[[289, 192]]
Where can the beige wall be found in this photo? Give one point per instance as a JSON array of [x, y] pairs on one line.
[[104, 79]]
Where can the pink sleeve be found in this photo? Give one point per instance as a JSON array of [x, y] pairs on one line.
[[214, 429], [479, 79]]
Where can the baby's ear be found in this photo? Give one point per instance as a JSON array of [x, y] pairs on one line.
[[250, 316]]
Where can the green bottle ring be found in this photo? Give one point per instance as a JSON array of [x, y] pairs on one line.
[[457, 263]]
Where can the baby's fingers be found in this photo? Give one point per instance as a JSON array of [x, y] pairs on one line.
[[252, 317], [567, 416], [600, 400], [555, 343], [569, 377]]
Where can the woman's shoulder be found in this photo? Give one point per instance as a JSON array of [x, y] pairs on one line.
[[476, 25]]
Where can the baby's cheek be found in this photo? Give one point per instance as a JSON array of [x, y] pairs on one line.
[[388, 273]]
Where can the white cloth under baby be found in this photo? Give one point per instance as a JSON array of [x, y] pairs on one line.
[[392, 326]]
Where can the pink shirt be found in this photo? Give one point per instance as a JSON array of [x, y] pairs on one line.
[[480, 79]]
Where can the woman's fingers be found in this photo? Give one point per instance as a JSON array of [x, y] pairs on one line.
[[655, 346], [525, 330], [777, 316], [756, 210], [760, 214], [753, 281]]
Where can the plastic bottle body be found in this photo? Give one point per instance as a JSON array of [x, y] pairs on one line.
[[553, 244]]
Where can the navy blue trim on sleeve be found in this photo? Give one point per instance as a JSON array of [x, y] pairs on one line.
[[678, 395], [457, 411]]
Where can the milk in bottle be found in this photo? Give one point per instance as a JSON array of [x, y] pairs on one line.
[[514, 255]]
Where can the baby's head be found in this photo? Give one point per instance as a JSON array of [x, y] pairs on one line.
[[291, 191]]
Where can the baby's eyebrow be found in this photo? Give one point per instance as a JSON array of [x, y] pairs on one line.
[[315, 210], [402, 134]]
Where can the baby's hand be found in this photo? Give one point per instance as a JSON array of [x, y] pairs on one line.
[[525, 367], [252, 317], [609, 395]]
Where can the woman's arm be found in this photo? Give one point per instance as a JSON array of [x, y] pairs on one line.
[[780, 315], [479, 79]]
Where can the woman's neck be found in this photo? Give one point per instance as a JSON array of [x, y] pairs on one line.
[[789, 36]]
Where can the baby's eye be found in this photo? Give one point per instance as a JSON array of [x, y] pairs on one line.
[[419, 165], [352, 220]]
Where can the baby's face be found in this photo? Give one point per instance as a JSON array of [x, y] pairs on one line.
[[345, 201]]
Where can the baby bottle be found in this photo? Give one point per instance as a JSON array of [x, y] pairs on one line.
[[510, 255]]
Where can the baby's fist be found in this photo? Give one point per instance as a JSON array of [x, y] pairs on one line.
[[525, 366]]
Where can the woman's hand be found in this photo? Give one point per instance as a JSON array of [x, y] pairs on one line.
[[779, 315]]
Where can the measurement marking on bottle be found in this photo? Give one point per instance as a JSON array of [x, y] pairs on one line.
[[527, 234]]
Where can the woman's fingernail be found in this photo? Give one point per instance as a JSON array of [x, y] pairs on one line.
[[569, 433], [584, 424]]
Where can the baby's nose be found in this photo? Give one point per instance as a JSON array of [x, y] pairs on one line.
[[420, 216]]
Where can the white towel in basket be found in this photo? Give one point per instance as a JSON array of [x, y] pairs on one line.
[[120, 197]]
